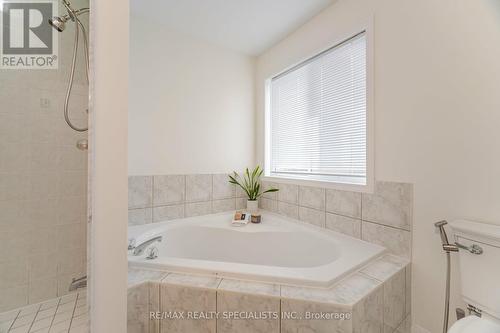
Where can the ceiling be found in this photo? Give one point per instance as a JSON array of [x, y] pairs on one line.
[[246, 26]]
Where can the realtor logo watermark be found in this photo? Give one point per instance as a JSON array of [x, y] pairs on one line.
[[28, 40]]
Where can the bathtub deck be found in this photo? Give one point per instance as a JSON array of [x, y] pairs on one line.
[[66, 314], [375, 298]]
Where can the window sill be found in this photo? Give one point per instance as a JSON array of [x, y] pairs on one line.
[[336, 185]]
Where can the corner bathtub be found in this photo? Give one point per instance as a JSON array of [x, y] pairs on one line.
[[278, 250]]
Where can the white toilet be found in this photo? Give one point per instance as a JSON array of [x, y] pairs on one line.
[[480, 276]]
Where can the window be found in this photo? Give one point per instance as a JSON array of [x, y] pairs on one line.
[[317, 117]]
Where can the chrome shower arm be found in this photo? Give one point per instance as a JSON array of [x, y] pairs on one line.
[[73, 14], [81, 11]]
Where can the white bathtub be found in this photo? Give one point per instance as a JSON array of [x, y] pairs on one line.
[[278, 250]]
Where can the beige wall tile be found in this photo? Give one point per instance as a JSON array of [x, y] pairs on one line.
[[390, 204], [13, 273], [241, 203], [14, 297], [394, 301], [140, 216], [289, 210], [343, 224], [368, 314], [312, 216], [169, 189], [224, 205], [268, 204], [408, 290], [304, 324], [138, 309], [42, 265], [235, 302], [198, 208], [186, 298], [140, 191], [397, 241], [165, 213], [222, 189], [42, 289], [312, 197], [268, 185], [343, 203], [198, 188], [288, 193]]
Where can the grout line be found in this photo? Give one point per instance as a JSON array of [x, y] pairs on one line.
[[73, 312], [212, 188], [152, 200], [184, 197], [152, 195], [361, 217], [160, 306], [280, 314], [36, 314], [386, 225], [217, 304], [12, 324], [54, 316]]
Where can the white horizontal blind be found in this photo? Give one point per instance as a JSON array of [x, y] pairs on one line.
[[318, 115]]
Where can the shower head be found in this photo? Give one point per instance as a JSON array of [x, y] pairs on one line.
[[59, 22]]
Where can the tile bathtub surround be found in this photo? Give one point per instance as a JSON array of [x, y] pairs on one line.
[[140, 192], [397, 288], [343, 224], [138, 308], [391, 204], [397, 241], [371, 300], [168, 190], [64, 314], [199, 188], [383, 217], [233, 302], [186, 293], [343, 203], [234, 296], [167, 197]]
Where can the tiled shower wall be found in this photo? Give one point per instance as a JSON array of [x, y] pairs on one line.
[[161, 198], [383, 217], [42, 181]]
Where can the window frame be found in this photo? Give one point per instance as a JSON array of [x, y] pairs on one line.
[[370, 121]]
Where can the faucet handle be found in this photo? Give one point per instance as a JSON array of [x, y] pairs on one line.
[[152, 253], [131, 244]]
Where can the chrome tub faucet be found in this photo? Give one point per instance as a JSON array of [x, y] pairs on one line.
[[78, 283], [139, 249]]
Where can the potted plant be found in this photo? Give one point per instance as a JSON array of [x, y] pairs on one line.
[[250, 183]]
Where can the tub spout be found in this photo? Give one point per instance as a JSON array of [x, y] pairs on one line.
[[78, 283]]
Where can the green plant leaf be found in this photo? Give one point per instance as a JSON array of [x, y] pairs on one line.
[[250, 182]]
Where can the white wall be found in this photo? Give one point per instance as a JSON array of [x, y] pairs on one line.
[[108, 166], [191, 104], [437, 110]]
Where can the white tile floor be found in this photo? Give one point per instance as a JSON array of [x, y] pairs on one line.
[[64, 314]]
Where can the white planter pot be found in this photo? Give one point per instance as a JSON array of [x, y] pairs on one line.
[[252, 206]]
